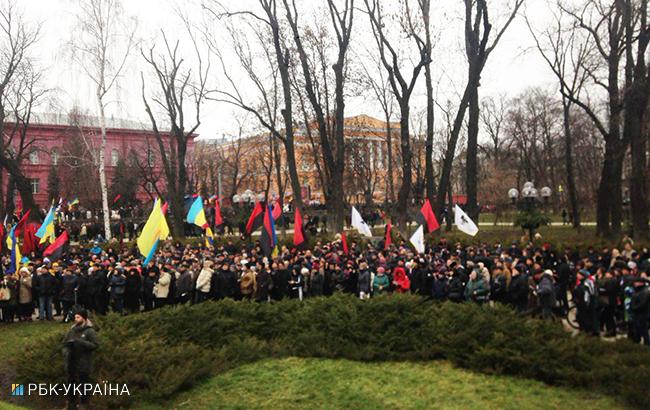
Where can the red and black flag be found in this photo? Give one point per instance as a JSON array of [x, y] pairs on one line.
[[56, 248], [298, 230], [268, 239], [21, 223], [256, 219], [427, 218], [388, 239], [344, 243]]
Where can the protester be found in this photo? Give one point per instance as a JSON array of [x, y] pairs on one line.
[[608, 286], [78, 347]]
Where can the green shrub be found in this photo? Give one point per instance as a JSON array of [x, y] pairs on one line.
[[165, 351]]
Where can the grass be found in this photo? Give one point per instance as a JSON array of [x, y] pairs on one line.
[[295, 383], [12, 338]]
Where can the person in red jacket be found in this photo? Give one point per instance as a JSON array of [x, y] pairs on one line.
[[400, 280]]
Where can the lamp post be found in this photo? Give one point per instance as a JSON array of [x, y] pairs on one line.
[[528, 203]]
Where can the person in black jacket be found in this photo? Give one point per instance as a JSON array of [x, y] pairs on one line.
[[46, 287], [280, 278], [640, 309], [78, 347], [264, 284], [147, 289], [227, 285], [563, 279], [70, 286], [518, 290], [97, 284], [132, 291]]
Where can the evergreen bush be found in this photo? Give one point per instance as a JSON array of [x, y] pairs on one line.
[[162, 352]]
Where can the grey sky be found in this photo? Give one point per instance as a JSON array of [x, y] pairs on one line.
[[511, 68]]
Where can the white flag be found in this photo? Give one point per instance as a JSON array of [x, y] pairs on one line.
[[463, 223], [360, 224], [418, 239]]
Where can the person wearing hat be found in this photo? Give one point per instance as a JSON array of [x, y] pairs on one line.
[[25, 299], [203, 282], [546, 294], [79, 345]]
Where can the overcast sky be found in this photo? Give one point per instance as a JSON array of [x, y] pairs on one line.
[[513, 66]]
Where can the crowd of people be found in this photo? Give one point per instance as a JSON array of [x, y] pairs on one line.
[[609, 287]]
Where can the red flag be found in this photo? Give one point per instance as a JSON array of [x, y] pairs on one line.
[[344, 242], [117, 198], [21, 223], [218, 220], [164, 207], [56, 248], [30, 241], [427, 218], [298, 233], [387, 241], [277, 211], [256, 218], [2, 236]]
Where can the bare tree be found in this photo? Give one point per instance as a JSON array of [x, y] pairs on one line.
[[274, 96], [101, 45], [602, 23], [478, 48], [19, 93], [181, 92], [569, 57], [330, 127], [402, 89]]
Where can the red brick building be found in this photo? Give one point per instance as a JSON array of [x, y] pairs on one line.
[[55, 138]]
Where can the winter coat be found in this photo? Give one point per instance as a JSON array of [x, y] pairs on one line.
[[402, 282], [45, 284], [70, 285], [78, 347], [25, 290], [546, 291], [456, 288], [363, 282], [476, 290], [204, 279], [117, 284], [227, 284], [317, 284], [439, 287], [264, 284], [640, 303], [518, 290], [161, 288], [184, 284], [248, 283], [380, 284]]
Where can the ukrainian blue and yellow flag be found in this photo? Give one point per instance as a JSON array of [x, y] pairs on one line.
[[196, 214], [46, 231], [209, 237], [155, 229], [74, 202], [14, 246]]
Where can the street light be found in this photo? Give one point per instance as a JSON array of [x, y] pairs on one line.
[[528, 204]]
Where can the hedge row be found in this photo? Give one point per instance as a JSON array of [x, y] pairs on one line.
[[162, 352]]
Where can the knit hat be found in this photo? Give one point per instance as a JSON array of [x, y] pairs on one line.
[[82, 312]]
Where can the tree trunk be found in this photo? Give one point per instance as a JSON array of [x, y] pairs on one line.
[[616, 193], [636, 103], [389, 151], [471, 166], [428, 167], [568, 162], [9, 206], [102, 169], [603, 204], [405, 189]]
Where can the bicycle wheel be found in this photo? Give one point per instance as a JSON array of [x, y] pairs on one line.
[[572, 317]]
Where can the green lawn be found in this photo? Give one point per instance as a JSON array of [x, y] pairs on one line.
[[296, 383]]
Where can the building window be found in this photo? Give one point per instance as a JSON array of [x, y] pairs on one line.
[[115, 157], [35, 185], [151, 158], [150, 187], [33, 157], [55, 157]]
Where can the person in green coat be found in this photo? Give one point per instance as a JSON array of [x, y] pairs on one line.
[[380, 283], [476, 289], [79, 346]]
